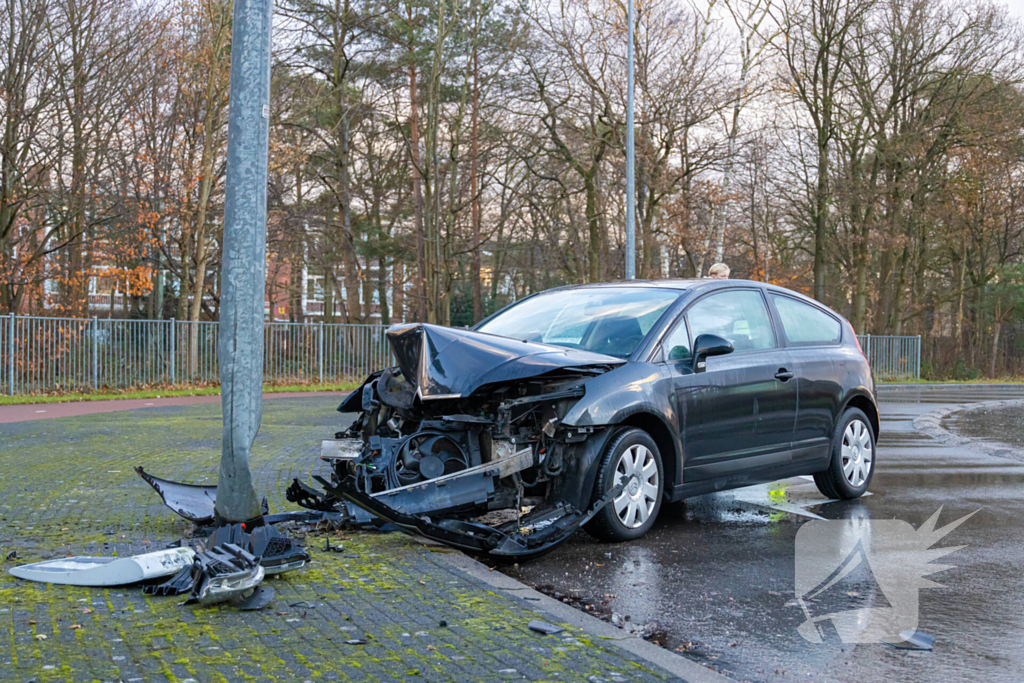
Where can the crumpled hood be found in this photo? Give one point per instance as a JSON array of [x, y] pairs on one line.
[[445, 362]]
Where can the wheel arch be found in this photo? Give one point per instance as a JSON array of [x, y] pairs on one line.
[[656, 428], [865, 404]]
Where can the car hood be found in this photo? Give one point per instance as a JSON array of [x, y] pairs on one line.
[[445, 362]]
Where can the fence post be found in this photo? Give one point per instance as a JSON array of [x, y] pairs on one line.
[[917, 373], [95, 354], [320, 350], [867, 348], [174, 351], [10, 358]]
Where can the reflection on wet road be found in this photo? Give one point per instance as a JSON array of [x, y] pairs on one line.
[[717, 572]]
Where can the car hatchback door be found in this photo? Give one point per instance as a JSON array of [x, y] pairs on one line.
[[743, 404]]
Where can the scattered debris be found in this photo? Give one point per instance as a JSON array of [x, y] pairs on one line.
[[657, 634], [259, 599], [223, 573], [192, 501], [13, 555], [356, 641], [276, 552], [106, 571], [914, 640], [544, 627]]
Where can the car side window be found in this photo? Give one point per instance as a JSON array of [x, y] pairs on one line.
[[676, 346], [806, 324], [739, 315]]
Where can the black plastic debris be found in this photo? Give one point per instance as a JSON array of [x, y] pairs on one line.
[[276, 552], [914, 640], [178, 584], [192, 501], [224, 573], [544, 627], [532, 535], [259, 599]]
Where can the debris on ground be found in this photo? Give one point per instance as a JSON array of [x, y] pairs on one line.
[[544, 627], [259, 599], [106, 571], [223, 573], [914, 640]]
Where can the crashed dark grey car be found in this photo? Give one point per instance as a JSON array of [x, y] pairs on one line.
[[593, 405]]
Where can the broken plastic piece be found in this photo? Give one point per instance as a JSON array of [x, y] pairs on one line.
[[544, 627], [914, 640], [106, 571], [224, 573], [534, 534], [259, 599], [180, 583], [276, 552], [192, 501]]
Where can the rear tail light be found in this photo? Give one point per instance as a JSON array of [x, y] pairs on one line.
[[856, 340]]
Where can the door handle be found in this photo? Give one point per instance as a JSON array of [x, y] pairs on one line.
[[783, 375]]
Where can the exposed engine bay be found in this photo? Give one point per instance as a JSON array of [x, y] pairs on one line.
[[464, 442]]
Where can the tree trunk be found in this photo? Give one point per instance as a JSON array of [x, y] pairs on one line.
[[474, 189], [820, 219], [417, 191], [398, 291], [997, 328]]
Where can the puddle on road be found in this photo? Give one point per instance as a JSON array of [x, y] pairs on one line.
[[1004, 424]]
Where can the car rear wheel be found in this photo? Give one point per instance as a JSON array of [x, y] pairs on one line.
[[632, 459], [853, 458]]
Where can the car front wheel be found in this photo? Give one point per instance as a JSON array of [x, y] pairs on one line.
[[631, 459], [853, 458]]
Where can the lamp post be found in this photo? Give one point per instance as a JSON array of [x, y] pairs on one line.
[[630, 164], [240, 346]]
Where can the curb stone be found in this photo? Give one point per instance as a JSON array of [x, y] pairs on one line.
[[649, 653]]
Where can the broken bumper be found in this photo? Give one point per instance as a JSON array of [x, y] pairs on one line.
[[533, 534]]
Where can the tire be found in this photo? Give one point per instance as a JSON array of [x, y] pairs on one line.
[[852, 465], [623, 519]]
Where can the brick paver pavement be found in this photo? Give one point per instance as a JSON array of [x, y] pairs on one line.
[[67, 487]]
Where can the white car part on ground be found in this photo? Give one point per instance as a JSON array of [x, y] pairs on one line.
[[107, 571]]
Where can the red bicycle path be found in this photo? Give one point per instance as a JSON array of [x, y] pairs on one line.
[[46, 411]]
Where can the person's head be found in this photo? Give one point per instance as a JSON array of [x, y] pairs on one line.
[[719, 271]]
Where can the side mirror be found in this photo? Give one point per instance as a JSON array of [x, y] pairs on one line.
[[707, 345]]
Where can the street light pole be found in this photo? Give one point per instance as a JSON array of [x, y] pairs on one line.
[[240, 347], [630, 164]]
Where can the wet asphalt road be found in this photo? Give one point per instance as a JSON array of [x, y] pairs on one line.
[[716, 574]]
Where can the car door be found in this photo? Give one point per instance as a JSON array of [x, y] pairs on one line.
[[742, 405], [811, 334]]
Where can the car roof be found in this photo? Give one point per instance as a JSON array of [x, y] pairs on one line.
[[697, 285]]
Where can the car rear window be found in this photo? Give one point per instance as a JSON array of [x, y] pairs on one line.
[[806, 324]]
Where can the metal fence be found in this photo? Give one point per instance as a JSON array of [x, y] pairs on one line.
[[892, 357], [42, 355]]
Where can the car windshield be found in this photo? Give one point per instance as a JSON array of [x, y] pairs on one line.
[[608, 320]]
